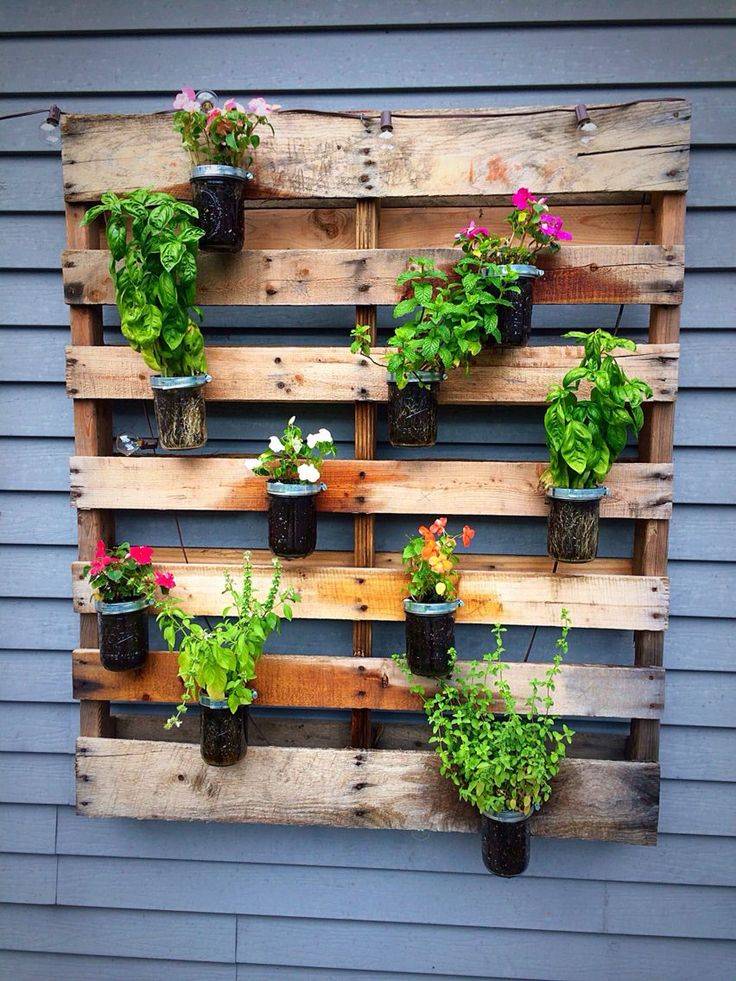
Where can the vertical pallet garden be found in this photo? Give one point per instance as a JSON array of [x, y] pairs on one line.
[[351, 215]]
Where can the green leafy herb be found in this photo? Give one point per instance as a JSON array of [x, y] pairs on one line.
[[498, 762], [586, 435], [153, 244], [221, 660]]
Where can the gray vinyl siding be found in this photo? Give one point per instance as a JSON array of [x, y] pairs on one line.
[[126, 900]]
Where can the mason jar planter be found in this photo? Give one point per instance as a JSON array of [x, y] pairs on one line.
[[181, 416], [572, 524], [292, 518], [123, 634], [412, 410], [505, 842], [223, 735], [430, 633], [218, 194], [515, 321]]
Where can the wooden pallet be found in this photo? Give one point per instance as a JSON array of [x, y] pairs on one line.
[[332, 220]]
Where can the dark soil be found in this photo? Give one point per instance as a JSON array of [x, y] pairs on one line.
[[223, 737], [292, 526], [505, 846], [428, 639], [123, 640], [220, 203], [181, 417]]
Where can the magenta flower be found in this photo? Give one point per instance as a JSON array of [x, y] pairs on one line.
[[472, 231], [142, 554], [232, 104], [259, 106], [100, 563], [164, 579], [186, 100], [552, 225], [522, 199]]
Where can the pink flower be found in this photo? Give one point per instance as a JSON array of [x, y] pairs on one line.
[[552, 225], [522, 199], [439, 525], [164, 579], [232, 104], [101, 549], [212, 116], [100, 563], [259, 106], [472, 230], [187, 100], [142, 554]]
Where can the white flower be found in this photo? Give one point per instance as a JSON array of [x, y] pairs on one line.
[[296, 444], [308, 472], [252, 464], [440, 589], [323, 436], [275, 444], [291, 421]]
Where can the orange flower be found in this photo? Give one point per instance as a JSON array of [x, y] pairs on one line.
[[426, 532], [429, 548], [468, 535]]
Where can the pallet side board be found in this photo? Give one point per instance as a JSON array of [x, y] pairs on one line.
[[357, 486], [583, 690], [601, 799], [465, 154], [514, 376], [298, 277]]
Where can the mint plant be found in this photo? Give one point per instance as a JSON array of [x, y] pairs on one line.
[[153, 245], [585, 436], [498, 762]]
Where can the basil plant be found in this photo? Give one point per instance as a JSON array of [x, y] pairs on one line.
[[585, 435], [153, 245]]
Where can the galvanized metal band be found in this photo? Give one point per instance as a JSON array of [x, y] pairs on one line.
[[163, 383], [220, 170], [278, 489], [129, 606], [431, 609], [577, 493]]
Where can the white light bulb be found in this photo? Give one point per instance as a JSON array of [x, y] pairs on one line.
[[49, 132]]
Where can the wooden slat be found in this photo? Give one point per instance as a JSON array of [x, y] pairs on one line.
[[462, 153], [577, 274], [331, 374], [367, 216], [582, 690], [656, 443], [92, 437], [411, 228], [621, 602], [611, 800], [357, 486]]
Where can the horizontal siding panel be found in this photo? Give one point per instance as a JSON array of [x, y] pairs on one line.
[[279, 14], [28, 828], [697, 752], [28, 879], [294, 891], [119, 933], [513, 954], [302, 60], [32, 966], [28, 778], [38, 727], [402, 897], [676, 859]]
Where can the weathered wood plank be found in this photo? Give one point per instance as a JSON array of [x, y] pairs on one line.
[[357, 486], [656, 443], [642, 146], [412, 228], [92, 437], [590, 691], [621, 602], [597, 799], [298, 277], [512, 376]]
